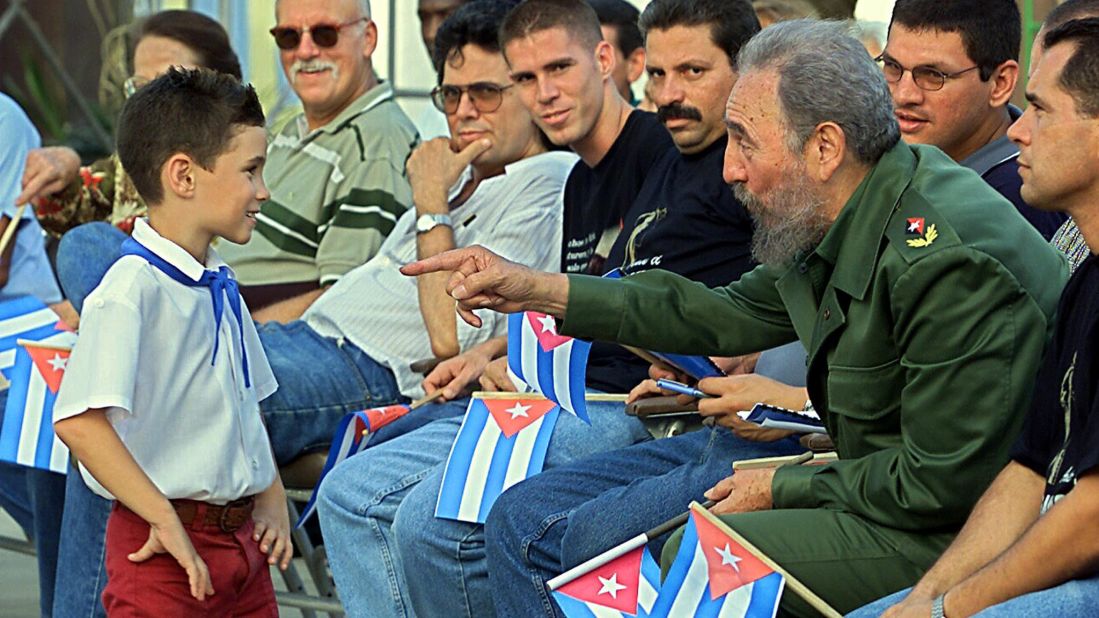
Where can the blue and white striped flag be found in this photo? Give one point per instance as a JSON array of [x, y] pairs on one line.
[[500, 442], [24, 318], [352, 437], [552, 365], [714, 575], [625, 586], [26, 436]]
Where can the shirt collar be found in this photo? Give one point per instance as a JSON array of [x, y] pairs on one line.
[[853, 241], [995, 152], [370, 99], [174, 254]]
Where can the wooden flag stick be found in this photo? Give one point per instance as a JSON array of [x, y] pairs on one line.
[[12, 225], [807, 457], [426, 399], [44, 346], [801, 589], [511, 395]]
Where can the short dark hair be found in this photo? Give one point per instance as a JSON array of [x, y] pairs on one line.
[[193, 111], [202, 35], [784, 10], [574, 16], [1070, 10], [1080, 75], [475, 23], [991, 30], [622, 16], [731, 22]]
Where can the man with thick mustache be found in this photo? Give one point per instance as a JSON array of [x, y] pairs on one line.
[[924, 321], [336, 172]]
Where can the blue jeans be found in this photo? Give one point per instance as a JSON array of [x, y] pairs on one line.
[[558, 519], [35, 499], [377, 512], [1073, 598], [84, 255]]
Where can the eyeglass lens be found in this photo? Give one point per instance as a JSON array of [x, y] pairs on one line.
[[324, 35], [485, 97], [925, 77]]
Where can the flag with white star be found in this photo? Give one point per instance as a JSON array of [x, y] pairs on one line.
[[26, 436], [714, 575], [550, 364], [352, 436], [625, 586], [500, 442]]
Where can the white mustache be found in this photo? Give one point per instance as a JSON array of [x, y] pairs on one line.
[[312, 65]]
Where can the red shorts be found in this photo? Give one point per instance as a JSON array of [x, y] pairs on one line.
[[159, 588]]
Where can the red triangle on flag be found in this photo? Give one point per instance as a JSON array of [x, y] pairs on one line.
[[380, 417], [612, 585], [729, 564], [545, 329], [50, 362], [62, 326], [514, 415]]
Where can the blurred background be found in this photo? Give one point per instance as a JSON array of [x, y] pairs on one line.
[[65, 61]]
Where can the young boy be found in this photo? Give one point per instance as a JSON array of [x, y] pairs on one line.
[[182, 449]]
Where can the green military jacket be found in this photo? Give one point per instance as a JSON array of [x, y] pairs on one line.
[[924, 311]]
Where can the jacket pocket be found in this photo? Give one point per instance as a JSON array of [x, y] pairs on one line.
[[866, 405]]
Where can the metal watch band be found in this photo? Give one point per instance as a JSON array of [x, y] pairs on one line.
[[937, 607]]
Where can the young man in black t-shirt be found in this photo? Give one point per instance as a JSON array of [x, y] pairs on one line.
[[1030, 547]]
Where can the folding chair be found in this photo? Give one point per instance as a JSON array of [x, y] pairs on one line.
[[299, 477]]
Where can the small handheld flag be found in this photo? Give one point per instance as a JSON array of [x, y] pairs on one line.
[[26, 436], [500, 442], [553, 365], [714, 575], [352, 437], [626, 586], [24, 318]]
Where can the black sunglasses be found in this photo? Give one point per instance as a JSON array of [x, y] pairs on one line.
[[486, 96], [324, 35]]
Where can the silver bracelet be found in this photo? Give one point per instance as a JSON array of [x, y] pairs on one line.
[[937, 607]]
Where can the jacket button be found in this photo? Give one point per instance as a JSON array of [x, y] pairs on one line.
[[827, 313], [803, 267]]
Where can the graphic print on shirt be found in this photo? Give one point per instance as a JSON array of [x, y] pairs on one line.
[[1057, 488]]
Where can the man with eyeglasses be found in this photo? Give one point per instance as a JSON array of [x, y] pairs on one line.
[[335, 172], [952, 68]]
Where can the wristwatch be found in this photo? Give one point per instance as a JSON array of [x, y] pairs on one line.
[[937, 607], [426, 222]]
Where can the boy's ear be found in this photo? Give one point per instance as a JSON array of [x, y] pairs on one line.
[[178, 175]]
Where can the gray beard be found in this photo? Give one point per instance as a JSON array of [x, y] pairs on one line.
[[789, 221]]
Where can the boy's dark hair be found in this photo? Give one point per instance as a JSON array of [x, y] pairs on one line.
[[202, 35], [991, 30], [731, 22], [475, 23], [576, 17], [1080, 75], [622, 17], [1070, 10], [193, 111]]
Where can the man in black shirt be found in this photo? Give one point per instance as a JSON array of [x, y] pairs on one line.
[[1030, 546]]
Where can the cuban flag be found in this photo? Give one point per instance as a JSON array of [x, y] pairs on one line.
[[26, 436], [500, 442], [24, 318], [713, 575], [352, 437], [551, 364], [625, 586]]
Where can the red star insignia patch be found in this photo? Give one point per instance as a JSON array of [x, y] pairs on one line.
[[915, 226]]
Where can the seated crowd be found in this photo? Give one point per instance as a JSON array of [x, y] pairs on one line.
[[882, 239]]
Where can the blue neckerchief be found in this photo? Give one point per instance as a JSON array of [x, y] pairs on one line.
[[219, 282]]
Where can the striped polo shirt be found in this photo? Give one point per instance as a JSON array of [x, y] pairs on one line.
[[336, 193]]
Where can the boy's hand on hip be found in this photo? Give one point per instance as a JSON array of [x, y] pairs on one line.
[[272, 530], [173, 539]]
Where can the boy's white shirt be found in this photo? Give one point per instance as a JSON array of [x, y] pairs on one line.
[[144, 354]]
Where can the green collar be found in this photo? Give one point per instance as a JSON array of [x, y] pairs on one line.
[[853, 241]]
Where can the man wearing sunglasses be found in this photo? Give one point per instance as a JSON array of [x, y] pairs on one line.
[[335, 172], [952, 68]]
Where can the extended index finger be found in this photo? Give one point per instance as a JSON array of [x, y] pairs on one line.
[[453, 260]]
